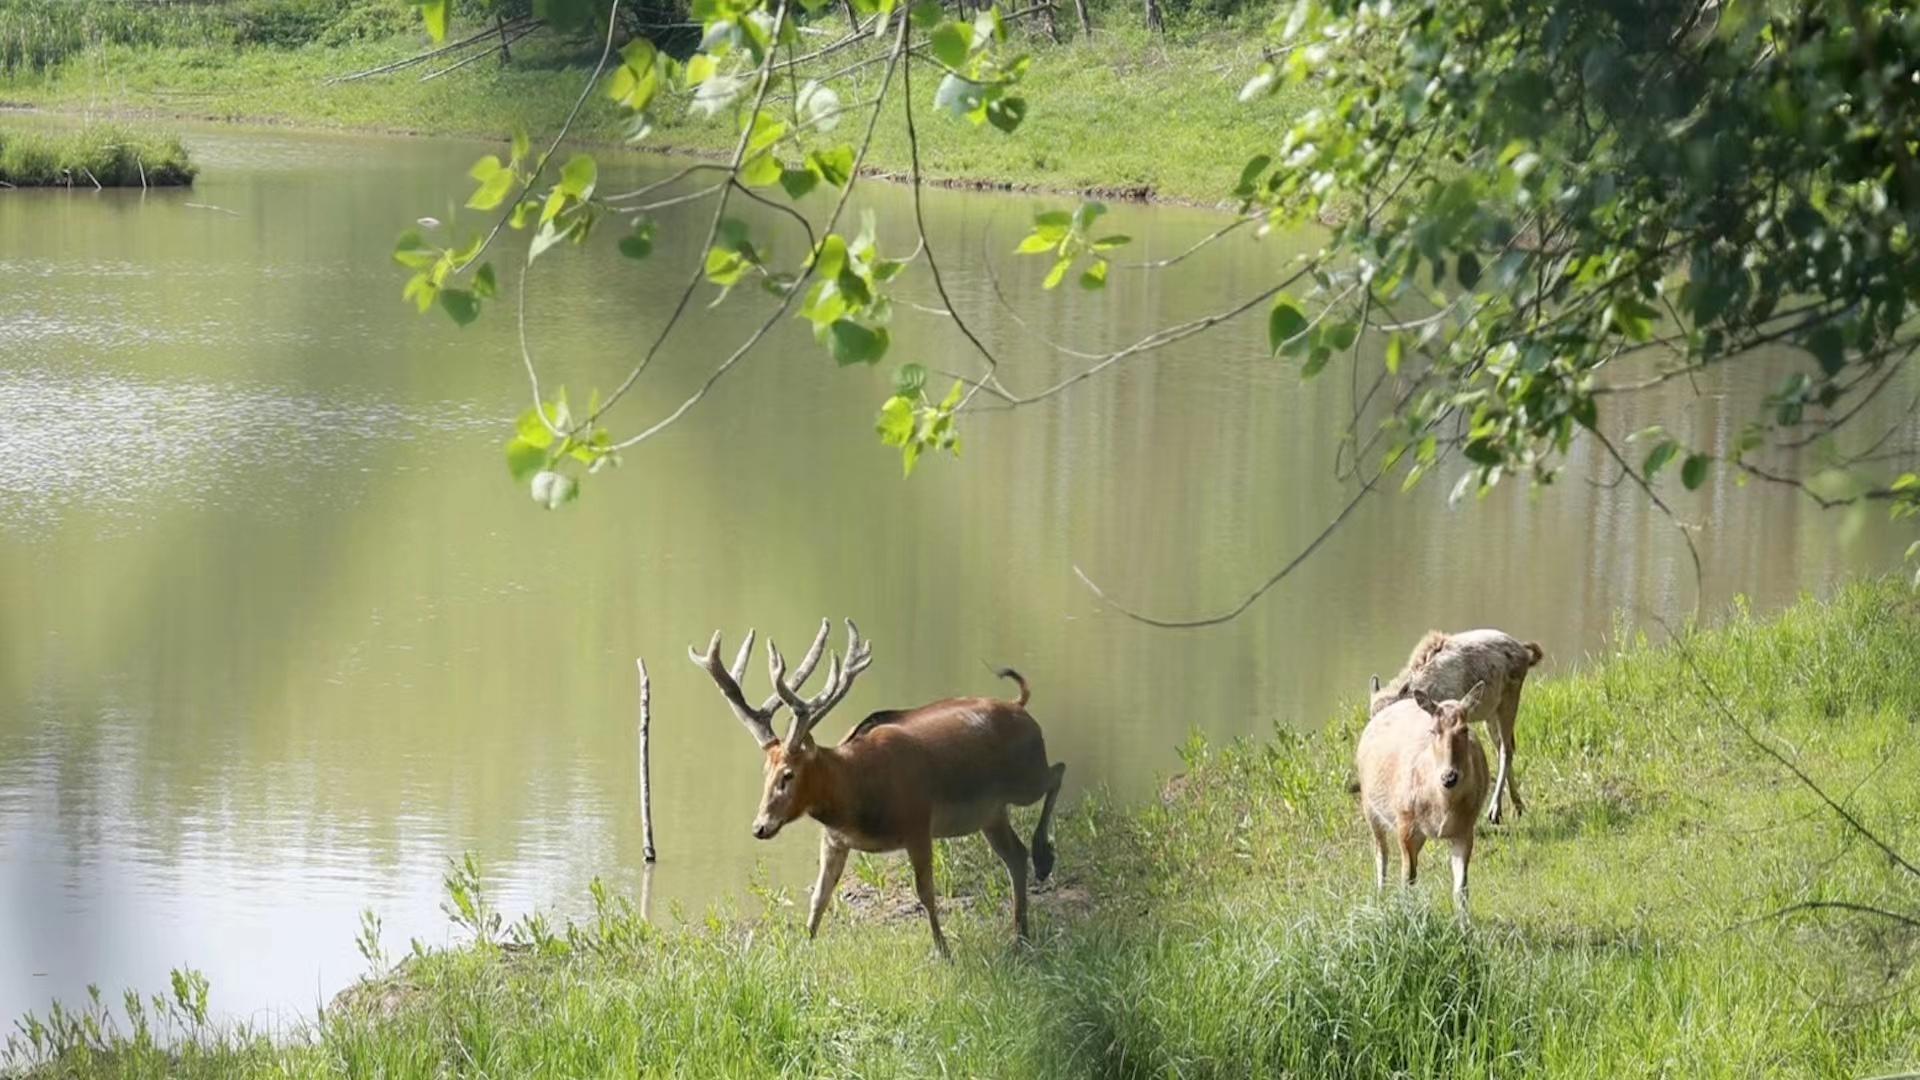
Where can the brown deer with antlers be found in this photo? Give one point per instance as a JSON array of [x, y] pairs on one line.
[[901, 778]]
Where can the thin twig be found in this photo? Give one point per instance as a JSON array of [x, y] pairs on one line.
[[1265, 587], [713, 230], [787, 297], [1719, 703]]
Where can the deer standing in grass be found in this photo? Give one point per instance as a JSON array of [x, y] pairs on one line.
[[1423, 777], [901, 778], [1444, 666]]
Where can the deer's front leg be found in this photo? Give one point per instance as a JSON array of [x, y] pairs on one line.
[[833, 860], [920, 850]]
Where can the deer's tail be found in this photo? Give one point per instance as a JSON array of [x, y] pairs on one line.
[[1009, 673]]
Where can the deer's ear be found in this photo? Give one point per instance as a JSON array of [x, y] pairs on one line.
[[1427, 704], [1376, 684], [1472, 700]]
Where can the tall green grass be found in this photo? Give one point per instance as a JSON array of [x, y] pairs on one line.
[[37, 35], [1229, 928], [108, 154]]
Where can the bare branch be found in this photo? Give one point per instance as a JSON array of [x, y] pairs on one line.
[[1265, 587], [933, 264]]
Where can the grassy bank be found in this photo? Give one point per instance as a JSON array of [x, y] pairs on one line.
[[1124, 114], [1229, 928], [97, 154]]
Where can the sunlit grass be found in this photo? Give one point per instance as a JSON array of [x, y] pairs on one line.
[[1230, 927], [1123, 115], [108, 155]]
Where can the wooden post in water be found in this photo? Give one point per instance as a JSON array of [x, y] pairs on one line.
[[646, 771]]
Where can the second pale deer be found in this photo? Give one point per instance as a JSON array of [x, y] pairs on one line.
[[901, 778], [1444, 666]]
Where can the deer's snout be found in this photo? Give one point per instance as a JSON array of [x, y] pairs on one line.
[[764, 829], [1450, 778]]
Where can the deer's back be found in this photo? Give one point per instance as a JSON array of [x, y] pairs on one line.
[[957, 751]]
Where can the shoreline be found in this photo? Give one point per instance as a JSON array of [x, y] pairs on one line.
[[1234, 919], [1136, 194]]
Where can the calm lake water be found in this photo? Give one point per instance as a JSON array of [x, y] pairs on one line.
[[278, 635]]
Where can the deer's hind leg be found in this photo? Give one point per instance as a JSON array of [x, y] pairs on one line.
[[1504, 782], [1043, 832], [920, 851], [1006, 844]]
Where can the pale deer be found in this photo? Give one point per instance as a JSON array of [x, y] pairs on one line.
[[1443, 666], [1423, 777], [901, 778]]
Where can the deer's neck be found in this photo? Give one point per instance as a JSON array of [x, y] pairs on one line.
[[827, 796]]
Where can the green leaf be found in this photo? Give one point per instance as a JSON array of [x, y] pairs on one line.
[[1317, 359], [1095, 276], [1058, 273], [1284, 323], [1693, 472], [896, 421], [578, 175], [831, 258], [798, 182], [926, 14], [554, 490], [950, 42], [909, 378], [1006, 113], [1658, 457], [835, 165], [1633, 318], [413, 252], [1340, 336], [1034, 243], [549, 235], [461, 304], [530, 430], [958, 95], [639, 243], [1467, 269], [761, 170], [1396, 351], [524, 458], [852, 343], [1251, 172], [1108, 243], [485, 285], [1829, 346]]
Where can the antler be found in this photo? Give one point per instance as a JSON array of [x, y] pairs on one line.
[[808, 712], [758, 721]]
